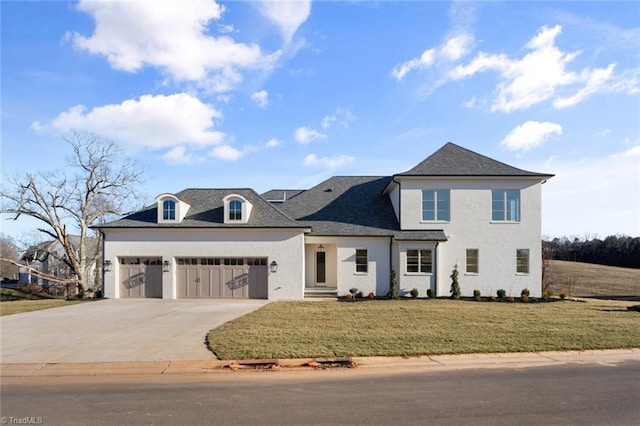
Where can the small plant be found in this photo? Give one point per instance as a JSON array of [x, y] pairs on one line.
[[429, 293], [359, 295], [524, 298], [491, 298], [353, 291], [371, 296], [476, 294], [455, 285], [563, 296], [502, 293], [546, 295], [525, 292], [414, 292], [510, 299], [394, 290], [348, 296]]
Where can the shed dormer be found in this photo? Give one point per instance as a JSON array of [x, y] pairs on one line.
[[171, 209], [237, 209]]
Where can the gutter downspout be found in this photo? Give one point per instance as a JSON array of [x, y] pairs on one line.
[[435, 270], [102, 265]]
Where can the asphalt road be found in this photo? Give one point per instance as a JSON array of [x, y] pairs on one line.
[[585, 394]]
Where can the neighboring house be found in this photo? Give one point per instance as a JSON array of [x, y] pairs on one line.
[[456, 207], [48, 258]]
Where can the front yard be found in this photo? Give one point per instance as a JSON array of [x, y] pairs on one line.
[[423, 327]]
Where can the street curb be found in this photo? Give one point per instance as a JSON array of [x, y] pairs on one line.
[[434, 362]]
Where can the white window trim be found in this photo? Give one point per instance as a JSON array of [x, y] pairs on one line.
[[435, 191], [355, 263], [528, 262], [477, 262], [406, 262], [506, 222], [245, 205]]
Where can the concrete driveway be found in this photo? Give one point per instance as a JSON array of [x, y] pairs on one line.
[[118, 330]]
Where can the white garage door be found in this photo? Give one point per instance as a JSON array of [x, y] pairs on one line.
[[240, 278], [140, 277]]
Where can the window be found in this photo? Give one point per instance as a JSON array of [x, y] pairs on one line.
[[168, 210], [522, 261], [505, 206], [435, 205], [235, 210], [472, 261], [362, 260], [419, 261]]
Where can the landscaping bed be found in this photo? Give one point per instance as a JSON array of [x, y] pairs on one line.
[[423, 327]]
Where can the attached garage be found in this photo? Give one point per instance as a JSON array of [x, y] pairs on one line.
[[141, 277], [236, 278]]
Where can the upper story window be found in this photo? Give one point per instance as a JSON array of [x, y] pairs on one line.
[[505, 205], [168, 210], [436, 205], [235, 210]]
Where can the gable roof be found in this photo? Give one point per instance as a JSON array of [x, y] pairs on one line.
[[453, 160], [207, 211], [345, 205]]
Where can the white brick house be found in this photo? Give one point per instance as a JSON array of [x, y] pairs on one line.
[[456, 207]]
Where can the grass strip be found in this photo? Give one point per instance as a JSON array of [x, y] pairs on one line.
[[423, 327]]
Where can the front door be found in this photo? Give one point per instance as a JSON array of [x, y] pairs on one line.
[[321, 269]]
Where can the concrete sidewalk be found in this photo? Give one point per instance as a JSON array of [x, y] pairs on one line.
[[373, 364]]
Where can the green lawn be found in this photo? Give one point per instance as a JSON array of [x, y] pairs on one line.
[[423, 327], [15, 301]]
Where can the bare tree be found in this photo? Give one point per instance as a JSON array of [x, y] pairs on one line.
[[8, 251], [97, 184]]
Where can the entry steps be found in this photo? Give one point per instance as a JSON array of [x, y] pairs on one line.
[[320, 292]]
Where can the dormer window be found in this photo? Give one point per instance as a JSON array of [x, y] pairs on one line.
[[169, 210], [235, 210]]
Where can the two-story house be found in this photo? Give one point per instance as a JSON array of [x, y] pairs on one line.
[[456, 207]]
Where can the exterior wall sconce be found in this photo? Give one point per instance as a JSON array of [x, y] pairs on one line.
[[166, 266], [320, 247], [273, 266], [106, 266]]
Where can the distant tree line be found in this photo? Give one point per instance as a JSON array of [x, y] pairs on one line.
[[614, 250]]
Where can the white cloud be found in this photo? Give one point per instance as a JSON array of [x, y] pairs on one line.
[[226, 152], [530, 135], [305, 135], [633, 152], [179, 155], [342, 116], [273, 143], [538, 76], [151, 121], [288, 15], [595, 79], [424, 61], [312, 160], [171, 36], [261, 98], [457, 47]]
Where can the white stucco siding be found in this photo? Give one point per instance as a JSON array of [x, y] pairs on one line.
[[471, 227], [286, 247], [420, 281], [341, 255]]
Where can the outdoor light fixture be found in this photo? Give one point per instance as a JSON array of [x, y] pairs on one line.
[[106, 265], [320, 247], [274, 266], [166, 266]]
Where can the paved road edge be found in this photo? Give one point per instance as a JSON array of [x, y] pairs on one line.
[[433, 362]]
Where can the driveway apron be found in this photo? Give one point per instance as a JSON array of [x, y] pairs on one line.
[[118, 330]]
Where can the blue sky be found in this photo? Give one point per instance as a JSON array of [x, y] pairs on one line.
[[285, 94]]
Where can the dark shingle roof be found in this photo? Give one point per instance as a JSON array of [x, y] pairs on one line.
[[427, 235], [453, 160], [207, 211], [345, 205]]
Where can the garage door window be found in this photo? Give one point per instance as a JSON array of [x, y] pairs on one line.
[[140, 261]]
